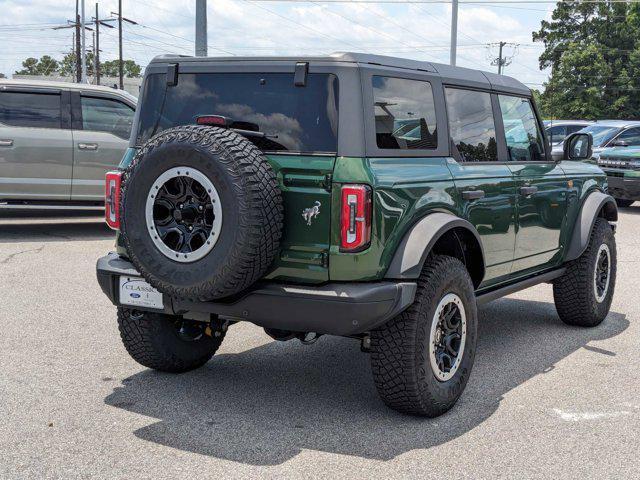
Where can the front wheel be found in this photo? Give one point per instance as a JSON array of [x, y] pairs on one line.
[[421, 360], [584, 293], [167, 343]]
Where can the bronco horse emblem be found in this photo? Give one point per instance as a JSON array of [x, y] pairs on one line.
[[309, 213]]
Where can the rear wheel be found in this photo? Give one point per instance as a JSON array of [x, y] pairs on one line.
[[422, 359], [584, 293], [165, 342]]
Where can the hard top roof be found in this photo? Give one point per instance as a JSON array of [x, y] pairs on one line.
[[447, 72]]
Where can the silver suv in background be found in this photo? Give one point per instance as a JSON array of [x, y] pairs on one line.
[[57, 141], [609, 134], [558, 130]]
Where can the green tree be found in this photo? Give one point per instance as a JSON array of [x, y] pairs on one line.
[[46, 65], [130, 68], [592, 50], [68, 64]]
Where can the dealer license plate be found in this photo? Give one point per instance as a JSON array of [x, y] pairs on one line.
[[137, 292]]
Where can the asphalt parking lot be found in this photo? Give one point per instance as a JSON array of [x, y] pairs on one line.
[[544, 401]]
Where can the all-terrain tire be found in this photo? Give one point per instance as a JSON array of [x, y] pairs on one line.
[[152, 340], [400, 356], [251, 206], [574, 293], [624, 203]]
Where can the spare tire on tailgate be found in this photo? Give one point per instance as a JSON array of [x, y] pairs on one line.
[[201, 212]]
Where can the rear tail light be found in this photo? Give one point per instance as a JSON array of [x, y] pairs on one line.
[[112, 199], [355, 221]]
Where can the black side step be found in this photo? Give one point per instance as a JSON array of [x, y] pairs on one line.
[[546, 277]]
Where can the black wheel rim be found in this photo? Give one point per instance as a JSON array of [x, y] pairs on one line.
[[183, 214], [602, 272]]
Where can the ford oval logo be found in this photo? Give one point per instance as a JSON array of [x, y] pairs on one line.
[[135, 295]]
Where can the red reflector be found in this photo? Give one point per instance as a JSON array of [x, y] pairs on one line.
[[112, 199], [355, 219], [215, 120]]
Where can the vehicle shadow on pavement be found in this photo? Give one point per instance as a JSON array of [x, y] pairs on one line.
[[52, 226], [633, 209], [265, 405]]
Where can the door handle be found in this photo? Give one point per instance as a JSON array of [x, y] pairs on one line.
[[528, 190], [87, 146], [6, 143], [472, 194]]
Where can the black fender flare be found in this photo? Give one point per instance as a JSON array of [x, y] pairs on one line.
[[417, 243], [593, 204]]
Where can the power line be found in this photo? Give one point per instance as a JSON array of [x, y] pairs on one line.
[[300, 24]]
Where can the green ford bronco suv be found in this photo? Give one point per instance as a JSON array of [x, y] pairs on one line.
[[356, 195], [622, 167]]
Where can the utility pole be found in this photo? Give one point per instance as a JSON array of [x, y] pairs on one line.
[[502, 60], [454, 32], [96, 53], [77, 39], [120, 65], [120, 60], [78, 48], [83, 58], [201, 28], [96, 56]]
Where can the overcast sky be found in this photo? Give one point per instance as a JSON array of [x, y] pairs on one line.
[[247, 27]]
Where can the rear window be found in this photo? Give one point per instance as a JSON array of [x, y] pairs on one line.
[[37, 110], [295, 119]]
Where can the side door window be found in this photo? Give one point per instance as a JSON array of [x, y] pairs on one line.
[[26, 109], [471, 125], [106, 115], [405, 114], [630, 137], [521, 130]]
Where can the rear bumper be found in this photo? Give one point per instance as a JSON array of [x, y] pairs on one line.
[[626, 187], [334, 308]]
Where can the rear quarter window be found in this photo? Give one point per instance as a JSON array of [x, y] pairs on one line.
[[295, 119], [405, 115]]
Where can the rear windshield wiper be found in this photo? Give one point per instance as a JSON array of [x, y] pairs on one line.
[[252, 133]]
